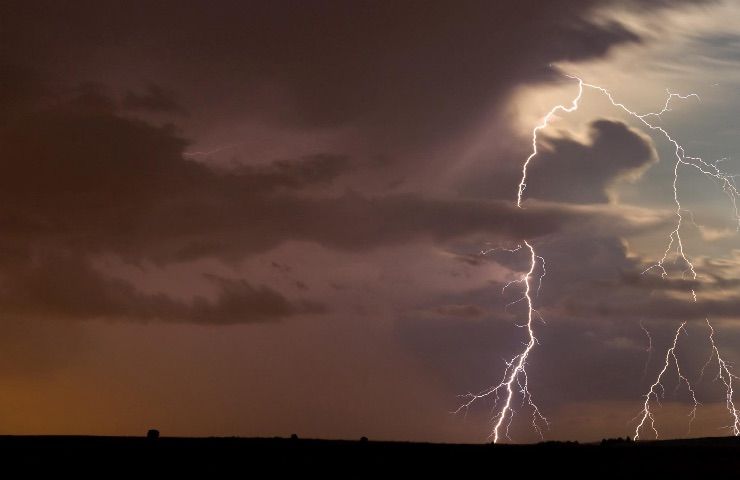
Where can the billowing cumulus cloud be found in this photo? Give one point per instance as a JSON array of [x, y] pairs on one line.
[[574, 172]]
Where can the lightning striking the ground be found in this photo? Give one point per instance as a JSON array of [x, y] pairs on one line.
[[725, 375], [727, 182], [515, 376], [657, 389]]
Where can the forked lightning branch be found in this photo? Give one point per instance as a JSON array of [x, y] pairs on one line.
[[514, 382]]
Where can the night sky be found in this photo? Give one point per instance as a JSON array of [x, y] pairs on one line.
[[264, 218]]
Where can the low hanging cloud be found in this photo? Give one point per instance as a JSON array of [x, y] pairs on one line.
[[64, 287]]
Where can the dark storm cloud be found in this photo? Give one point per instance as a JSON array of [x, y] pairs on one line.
[[461, 311], [653, 281], [77, 179], [63, 286], [591, 345], [80, 178], [623, 287], [570, 171], [19, 89], [598, 282], [670, 302], [153, 99], [320, 169], [406, 72], [469, 355], [82, 175], [343, 128]]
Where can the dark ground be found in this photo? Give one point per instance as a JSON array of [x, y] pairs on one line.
[[107, 457]]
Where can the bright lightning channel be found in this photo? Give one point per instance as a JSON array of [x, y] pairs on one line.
[[670, 358], [515, 376], [725, 375], [515, 372]]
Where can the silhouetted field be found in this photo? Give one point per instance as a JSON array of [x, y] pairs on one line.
[[139, 457]]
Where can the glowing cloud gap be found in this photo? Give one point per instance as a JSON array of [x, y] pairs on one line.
[[545, 122]]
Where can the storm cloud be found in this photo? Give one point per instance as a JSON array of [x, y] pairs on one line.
[[574, 172], [292, 197]]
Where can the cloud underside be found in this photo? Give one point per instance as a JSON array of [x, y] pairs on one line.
[[80, 179], [85, 171]]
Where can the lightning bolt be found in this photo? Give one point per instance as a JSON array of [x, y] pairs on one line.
[[725, 375], [648, 349], [515, 372], [727, 182], [515, 367], [545, 122], [208, 153], [670, 358], [710, 170], [515, 377]]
